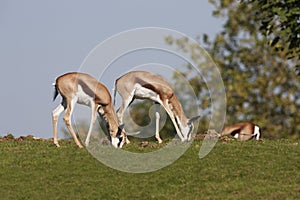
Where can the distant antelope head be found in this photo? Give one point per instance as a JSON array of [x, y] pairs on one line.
[[83, 89], [144, 85]]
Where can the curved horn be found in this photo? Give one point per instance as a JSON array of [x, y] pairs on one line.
[[194, 119]]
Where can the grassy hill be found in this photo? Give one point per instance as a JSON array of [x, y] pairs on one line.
[[264, 169]]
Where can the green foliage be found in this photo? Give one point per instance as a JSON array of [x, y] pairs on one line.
[[142, 113], [280, 23], [260, 84], [233, 170]]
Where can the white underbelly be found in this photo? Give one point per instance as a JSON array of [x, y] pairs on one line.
[[141, 92], [83, 98]]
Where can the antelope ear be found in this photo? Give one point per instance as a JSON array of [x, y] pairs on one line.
[[122, 126], [194, 119]]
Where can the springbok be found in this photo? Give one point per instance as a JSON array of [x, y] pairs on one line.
[[242, 131], [83, 89], [145, 85]]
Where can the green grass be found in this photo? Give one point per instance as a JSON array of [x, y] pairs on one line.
[[265, 169]]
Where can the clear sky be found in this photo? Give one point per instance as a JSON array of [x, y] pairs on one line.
[[40, 40]]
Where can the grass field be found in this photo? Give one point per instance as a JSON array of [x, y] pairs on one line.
[[266, 169]]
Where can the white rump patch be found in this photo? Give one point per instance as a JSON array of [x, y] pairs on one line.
[[236, 136], [256, 132]]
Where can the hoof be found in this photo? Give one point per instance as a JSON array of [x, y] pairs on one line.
[[127, 141], [57, 145]]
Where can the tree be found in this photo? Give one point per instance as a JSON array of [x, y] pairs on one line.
[[260, 84], [280, 23]]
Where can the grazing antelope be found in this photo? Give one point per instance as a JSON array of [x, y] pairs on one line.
[[83, 89], [144, 85], [242, 131]]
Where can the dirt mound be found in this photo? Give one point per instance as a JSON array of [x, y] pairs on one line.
[[10, 137]]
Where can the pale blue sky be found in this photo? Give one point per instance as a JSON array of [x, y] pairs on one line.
[[40, 40]]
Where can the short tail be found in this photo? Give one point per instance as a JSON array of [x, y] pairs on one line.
[[55, 91]]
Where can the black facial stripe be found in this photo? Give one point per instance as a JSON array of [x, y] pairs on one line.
[[121, 138], [191, 129]]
